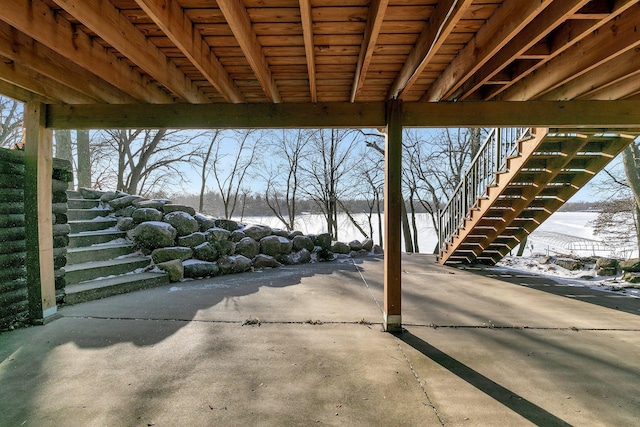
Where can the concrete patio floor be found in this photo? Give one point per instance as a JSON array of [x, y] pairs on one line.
[[302, 346]]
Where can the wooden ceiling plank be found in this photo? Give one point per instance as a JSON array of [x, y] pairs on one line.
[[509, 19], [21, 48], [549, 19], [442, 22], [616, 38], [106, 21], [621, 89], [238, 19], [307, 33], [39, 85], [377, 11], [35, 18], [170, 17]]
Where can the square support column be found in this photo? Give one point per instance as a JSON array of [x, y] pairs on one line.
[[38, 161], [392, 218]]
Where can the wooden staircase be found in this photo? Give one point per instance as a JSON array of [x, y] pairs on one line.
[[505, 195]]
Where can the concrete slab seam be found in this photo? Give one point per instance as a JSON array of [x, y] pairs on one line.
[[422, 387], [532, 328], [367, 286]]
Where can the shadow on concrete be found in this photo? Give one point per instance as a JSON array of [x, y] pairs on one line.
[[513, 401], [614, 301]]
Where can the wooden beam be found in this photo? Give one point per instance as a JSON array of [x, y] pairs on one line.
[[600, 114], [598, 79], [617, 37], [440, 25], [509, 19], [549, 19], [38, 21], [621, 89], [171, 19], [109, 24], [590, 114], [309, 47], [48, 90], [212, 116], [20, 94], [377, 10], [22, 49], [38, 218], [393, 202], [238, 19]]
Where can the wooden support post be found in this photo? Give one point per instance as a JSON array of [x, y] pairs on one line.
[[38, 218], [392, 218]]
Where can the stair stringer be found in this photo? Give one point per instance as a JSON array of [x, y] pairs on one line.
[[514, 164]]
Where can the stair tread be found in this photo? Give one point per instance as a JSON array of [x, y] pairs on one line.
[[99, 247], [106, 263], [112, 281], [99, 232]]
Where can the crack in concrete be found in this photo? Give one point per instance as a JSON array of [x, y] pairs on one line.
[[367, 286], [531, 328], [422, 387]]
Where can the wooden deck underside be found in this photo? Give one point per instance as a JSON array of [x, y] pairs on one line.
[[550, 168]]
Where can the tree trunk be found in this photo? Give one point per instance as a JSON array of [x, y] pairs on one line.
[[523, 244], [408, 243], [414, 225], [631, 161], [84, 159], [63, 144], [378, 211]]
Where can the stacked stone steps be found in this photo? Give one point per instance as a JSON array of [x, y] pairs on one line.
[[100, 263]]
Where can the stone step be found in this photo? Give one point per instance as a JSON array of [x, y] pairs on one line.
[[78, 240], [73, 194], [85, 214], [76, 273], [98, 253], [82, 203], [102, 288], [95, 224]]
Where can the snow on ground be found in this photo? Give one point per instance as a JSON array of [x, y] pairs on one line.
[[580, 278]]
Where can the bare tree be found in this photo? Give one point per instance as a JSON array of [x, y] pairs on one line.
[[326, 169], [371, 168], [201, 159], [231, 166], [83, 156], [11, 116], [284, 174], [63, 144], [145, 160]]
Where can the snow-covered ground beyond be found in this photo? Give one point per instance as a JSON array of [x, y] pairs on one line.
[[563, 225]]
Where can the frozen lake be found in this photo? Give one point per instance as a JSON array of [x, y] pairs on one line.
[[575, 224]]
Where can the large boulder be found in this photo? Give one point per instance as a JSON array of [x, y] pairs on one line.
[[153, 234], [303, 256], [275, 245], [237, 235], [367, 245], [206, 251], [126, 211], [183, 222], [632, 265], [193, 239], [323, 240], [355, 245], [90, 193], [257, 232], [377, 250], [204, 222], [234, 264], [173, 268], [216, 234], [125, 223], [568, 263], [124, 201], [280, 232], [227, 224], [340, 248], [607, 263], [302, 242], [171, 207], [631, 277], [155, 204], [265, 261], [248, 247], [170, 253], [194, 269], [146, 214], [110, 195]]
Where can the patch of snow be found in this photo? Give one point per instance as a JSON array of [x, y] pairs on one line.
[[118, 241]]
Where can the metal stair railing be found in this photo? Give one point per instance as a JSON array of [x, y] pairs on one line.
[[491, 158]]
